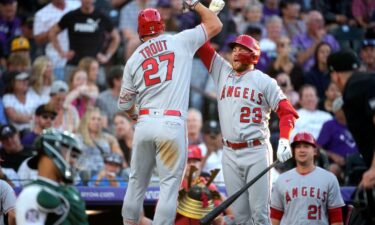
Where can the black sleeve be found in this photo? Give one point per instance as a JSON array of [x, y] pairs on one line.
[[65, 21], [371, 95], [107, 23]]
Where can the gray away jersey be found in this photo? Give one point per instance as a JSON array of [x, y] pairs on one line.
[[245, 102], [159, 70], [305, 199]]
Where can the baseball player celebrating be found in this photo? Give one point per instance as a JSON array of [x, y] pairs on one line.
[[157, 75], [47, 200], [306, 194], [246, 97]]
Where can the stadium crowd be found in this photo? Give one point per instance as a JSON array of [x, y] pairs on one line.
[[61, 65]]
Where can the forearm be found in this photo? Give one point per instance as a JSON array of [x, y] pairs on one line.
[[14, 116], [275, 221], [210, 20], [41, 38], [52, 35], [302, 56], [113, 45]]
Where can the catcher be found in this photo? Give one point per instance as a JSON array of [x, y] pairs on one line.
[[49, 199]]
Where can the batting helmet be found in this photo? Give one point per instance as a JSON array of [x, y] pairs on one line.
[[149, 23], [249, 43], [303, 137], [194, 152]]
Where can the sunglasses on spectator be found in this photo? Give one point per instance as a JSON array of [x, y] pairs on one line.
[[283, 44], [46, 116]]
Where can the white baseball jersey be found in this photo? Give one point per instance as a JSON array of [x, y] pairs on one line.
[[245, 102], [159, 70], [306, 198]]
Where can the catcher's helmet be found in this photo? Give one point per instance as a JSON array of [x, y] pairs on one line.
[[149, 23], [303, 137], [249, 43], [51, 143]]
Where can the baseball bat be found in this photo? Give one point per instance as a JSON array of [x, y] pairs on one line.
[[220, 208]]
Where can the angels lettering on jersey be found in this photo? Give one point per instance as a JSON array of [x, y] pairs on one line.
[[305, 192]]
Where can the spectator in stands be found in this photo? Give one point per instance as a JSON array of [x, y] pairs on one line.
[[19, 104], [18, 62], [194, 126], [367, 55], [43, 119], [79, 95], [337, 140], [270, 8], [109, 176], [124, 133], [107, 100], [310, 118], [45, 18], [284, 63], [166, 12], [283, 80], [91, 66], [306, 42], [331, 93], [364, 13], [268, 43], [7, 202], [252, 16], [96, 144], [3, 117], [10, 176], [318, 76], [12, 151], [67, 117], [129, 23], [212, 149], [41, 79], [292, 24], [87, 31], [20, 45], [10, 24]]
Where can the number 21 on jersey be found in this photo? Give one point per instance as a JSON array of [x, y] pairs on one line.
[[151, 67], [314, 212]]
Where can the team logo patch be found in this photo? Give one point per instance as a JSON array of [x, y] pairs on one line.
[[32, 215]]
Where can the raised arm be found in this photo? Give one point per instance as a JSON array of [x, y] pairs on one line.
[[210, 20]]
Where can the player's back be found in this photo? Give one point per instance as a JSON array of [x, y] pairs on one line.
[[160, 71]]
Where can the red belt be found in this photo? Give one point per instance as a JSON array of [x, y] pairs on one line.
[[240, 145], [166, 112]]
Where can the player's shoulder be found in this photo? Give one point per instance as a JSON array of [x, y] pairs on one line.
[[257, 74], [285, 176], [324, 173], [29, 194]]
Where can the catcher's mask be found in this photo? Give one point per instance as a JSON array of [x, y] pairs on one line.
[[249, 43], [149, 23], [61, 147]]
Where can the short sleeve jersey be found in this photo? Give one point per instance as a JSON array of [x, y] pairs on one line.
[[245, 102], [159, 71], [305, 199]]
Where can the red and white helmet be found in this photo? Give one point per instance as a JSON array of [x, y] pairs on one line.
[[249, 43], [149, 23], [303, 137]]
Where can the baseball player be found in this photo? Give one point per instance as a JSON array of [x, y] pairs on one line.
[[48, 200], [157, 78], [306, 194], [246, 97]]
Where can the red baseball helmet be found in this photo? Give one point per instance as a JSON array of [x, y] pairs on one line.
[[149, 23], [194, 152], [251, 44], [304, 137]]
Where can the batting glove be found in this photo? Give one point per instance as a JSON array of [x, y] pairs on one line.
[[216, 6], [283, 150], [190, 4]]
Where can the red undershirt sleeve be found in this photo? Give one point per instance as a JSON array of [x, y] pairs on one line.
[[206, 53], [287, 116]]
